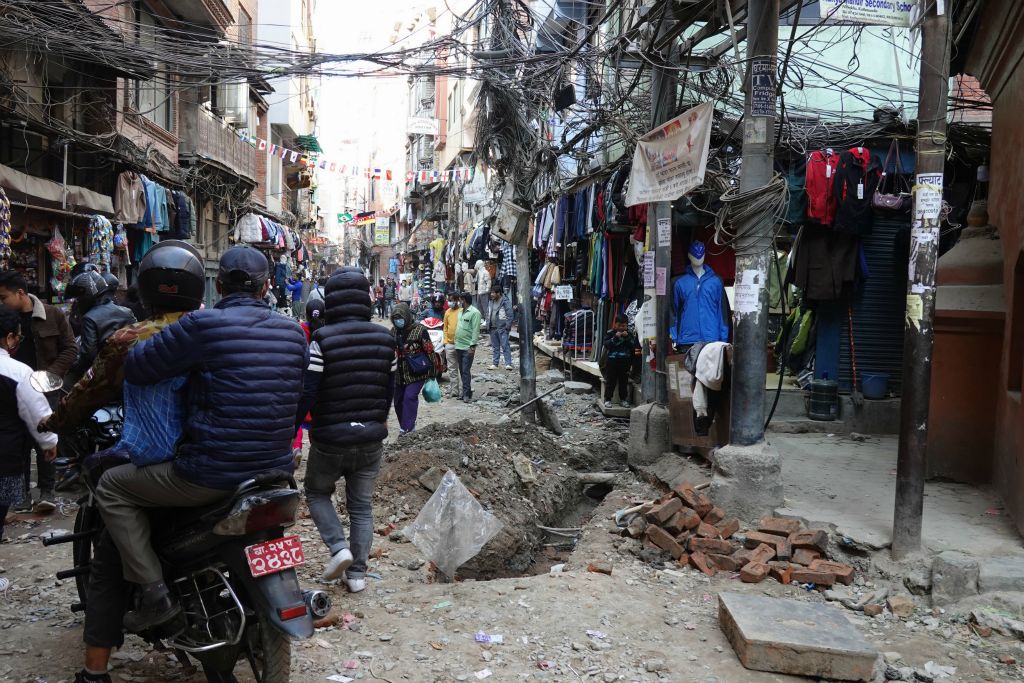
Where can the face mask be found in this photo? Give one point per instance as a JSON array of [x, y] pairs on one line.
[[451, 304], [400, 323]]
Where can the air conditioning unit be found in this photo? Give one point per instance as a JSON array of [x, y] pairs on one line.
[[233, 102]]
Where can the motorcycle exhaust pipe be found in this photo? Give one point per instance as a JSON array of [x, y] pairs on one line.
[[318, 602]]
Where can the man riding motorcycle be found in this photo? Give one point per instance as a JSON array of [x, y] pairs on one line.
[[171, 283], [99, 315], [244, 366]]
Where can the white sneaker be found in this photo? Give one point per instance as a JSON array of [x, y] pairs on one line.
[[607, 404], [509, 367], [354, 585], [625, 404], [341, 561], [493, 367]]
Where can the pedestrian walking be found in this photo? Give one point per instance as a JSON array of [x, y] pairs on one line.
[[451, 324], [348, 384], [499, 325], [294, 288], [620, 345], [22, 408], [390, 295], [415, 358], [378, 293], [405, 292], [467, 335]]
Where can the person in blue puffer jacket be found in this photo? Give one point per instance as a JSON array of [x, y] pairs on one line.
[[698, 303], [244, 365]]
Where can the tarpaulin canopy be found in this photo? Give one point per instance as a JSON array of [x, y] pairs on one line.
[[47, 194]]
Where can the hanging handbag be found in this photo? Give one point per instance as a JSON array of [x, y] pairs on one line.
[[898, 200]]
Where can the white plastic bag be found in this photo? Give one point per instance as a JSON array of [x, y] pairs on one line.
[[452, 527]]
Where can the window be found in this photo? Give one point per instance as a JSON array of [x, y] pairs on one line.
[[1015, 371], [152, 98], [244, 27]]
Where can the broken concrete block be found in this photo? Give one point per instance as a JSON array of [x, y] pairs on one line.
[[577, 387], [901, 605], [954, 577], [812, 539], [780, 526], [1002, 574], [755, 572], [792, 637], [431, 479]]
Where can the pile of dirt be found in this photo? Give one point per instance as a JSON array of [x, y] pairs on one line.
[[482, 457]]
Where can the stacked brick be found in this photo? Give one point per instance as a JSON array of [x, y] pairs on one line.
[[686, 525]]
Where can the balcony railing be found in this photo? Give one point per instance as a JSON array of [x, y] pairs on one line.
[[209, 139]]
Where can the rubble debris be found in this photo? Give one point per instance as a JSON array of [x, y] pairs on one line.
[[795, 637], [694, 532]]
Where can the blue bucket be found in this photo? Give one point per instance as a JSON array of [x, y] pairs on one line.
[[875, 385]]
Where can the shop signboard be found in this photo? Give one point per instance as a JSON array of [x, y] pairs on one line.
[[382, 231], [876, 12], [671, 159], [418, 125]]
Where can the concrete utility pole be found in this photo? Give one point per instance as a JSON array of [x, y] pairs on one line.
[[527, 360], [748, 471], [924, 255]]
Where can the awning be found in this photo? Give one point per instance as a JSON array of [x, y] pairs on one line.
[[45, 194]]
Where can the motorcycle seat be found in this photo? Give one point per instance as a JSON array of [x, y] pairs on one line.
[[98, 463]]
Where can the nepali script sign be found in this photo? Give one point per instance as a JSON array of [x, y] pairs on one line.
[[671, 159], [878, 12]]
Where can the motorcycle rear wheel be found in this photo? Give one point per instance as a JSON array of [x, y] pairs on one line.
[[267, 651]]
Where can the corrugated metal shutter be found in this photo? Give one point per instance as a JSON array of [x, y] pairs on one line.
[[878, 310]]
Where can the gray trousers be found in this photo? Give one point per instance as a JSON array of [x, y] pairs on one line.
[[359, 465], [454, 376], [121, 496]]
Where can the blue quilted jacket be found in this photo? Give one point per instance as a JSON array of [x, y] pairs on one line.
[[245, 365]]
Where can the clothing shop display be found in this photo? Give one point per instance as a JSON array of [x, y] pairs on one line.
[[819, 185], [129, 199], [854, 183], [698, 303]]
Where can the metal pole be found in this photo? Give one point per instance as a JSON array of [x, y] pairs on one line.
[[750, 319], [654, 384], [924, 255]]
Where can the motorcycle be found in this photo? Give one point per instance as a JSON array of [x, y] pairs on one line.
[[230, 566]]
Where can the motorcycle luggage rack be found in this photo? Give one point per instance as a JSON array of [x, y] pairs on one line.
[[192, 598]]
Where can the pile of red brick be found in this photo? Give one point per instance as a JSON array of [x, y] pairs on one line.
[[689, 527]]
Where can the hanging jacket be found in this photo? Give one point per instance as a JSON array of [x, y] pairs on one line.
[[854, 182], [697, 303], [819, 184], [22, 408]]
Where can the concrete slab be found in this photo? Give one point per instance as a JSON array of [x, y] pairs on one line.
[[851, 486], [615, 411], [578, 387], [793, 637], [1002, 574]]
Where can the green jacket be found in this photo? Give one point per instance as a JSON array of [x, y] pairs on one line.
[[467, 334]]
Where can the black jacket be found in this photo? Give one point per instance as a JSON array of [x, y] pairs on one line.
[[355, 356], [98, 323]]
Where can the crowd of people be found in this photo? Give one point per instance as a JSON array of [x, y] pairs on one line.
[[234, 386]]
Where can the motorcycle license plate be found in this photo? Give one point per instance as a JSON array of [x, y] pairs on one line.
[[275, 556]]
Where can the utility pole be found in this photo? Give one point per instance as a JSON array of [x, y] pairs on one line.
[[924, 255], [527, 362], [748, 471]]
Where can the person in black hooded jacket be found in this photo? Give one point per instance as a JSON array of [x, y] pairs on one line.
[[348, 385]]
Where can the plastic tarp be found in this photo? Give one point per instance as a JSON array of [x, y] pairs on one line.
[[47, 194], [452, 527]]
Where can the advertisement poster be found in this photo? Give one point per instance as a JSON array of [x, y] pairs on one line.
[[876, 12], [671, 159]]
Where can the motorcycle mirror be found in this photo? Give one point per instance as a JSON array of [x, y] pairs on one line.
[[45, 381]]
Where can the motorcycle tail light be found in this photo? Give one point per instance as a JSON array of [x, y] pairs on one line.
[[260, 511]]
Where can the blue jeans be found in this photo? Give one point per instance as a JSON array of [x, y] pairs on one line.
[[499, 343], [359, 465]]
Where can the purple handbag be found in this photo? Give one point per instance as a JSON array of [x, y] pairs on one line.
[[898, 200]]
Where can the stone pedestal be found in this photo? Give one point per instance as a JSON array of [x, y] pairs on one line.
[[649, 435], [747, 480]]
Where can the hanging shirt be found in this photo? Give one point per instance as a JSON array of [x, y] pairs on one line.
[[821, 202]]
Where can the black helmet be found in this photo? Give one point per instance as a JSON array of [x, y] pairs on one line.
[[172, 277], [112, 283], [243, 269], [438, 299], [315, 308], [85, 288], [83, 267]]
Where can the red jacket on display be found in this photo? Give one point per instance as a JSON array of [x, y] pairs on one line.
[[821, 201]]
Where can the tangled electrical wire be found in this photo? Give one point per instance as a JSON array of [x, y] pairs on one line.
[[743, 212]]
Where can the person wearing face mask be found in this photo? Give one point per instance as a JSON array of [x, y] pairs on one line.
[[451, 324], [414, 354], [22, 408]]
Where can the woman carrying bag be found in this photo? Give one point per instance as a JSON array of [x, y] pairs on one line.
[[415, 365]]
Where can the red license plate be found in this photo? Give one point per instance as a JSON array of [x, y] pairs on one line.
[[275, 556]]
